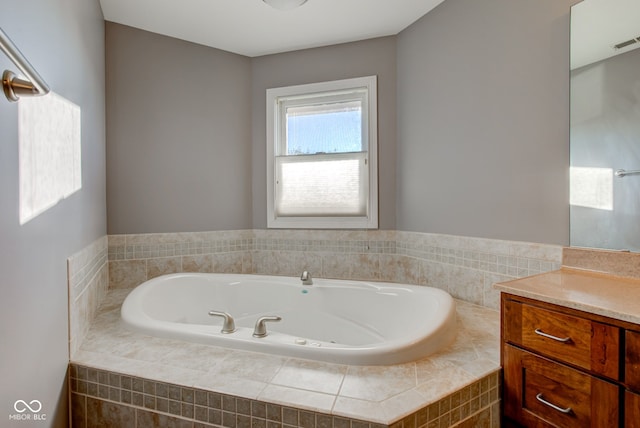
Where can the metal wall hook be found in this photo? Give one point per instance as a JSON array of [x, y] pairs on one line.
[[13, 86]]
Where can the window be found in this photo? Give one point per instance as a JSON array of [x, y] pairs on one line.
[[321, 155]]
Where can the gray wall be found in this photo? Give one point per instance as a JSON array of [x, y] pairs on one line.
[[483, 120], [64, 40], [178, 125], [187, 147], [365, 58], [473, 124], [605, 133]]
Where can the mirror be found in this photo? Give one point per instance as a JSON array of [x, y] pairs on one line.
[[605, 124]]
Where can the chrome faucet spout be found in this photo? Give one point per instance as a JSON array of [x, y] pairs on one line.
[[306, 278], [228, 326], [261, 329]]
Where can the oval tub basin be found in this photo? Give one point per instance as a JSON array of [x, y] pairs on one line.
[[337, 321]]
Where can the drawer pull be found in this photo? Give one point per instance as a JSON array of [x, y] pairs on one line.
[[549, 336], [541, 399]]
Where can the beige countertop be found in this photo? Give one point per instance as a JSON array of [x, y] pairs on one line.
[[607, 295]]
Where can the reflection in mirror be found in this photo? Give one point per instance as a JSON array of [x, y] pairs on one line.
[[605, 124]]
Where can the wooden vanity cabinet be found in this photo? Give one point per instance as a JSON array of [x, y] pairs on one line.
[[632, 359], [632, 379], [567, 368], [632, 406]]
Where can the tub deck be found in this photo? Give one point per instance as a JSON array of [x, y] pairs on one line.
[[453, 383]]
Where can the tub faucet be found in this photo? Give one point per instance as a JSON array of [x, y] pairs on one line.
[[229, 326], [261, 329], [306, 278]]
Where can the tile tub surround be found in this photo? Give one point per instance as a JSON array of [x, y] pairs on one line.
[[104, 398], [457, 385], [88, 281], [465, 267]]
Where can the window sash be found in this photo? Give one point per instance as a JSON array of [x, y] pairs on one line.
[[325, 103], [322, 185]]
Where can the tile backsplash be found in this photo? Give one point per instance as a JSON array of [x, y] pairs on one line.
[[88, 281], [465, 267]]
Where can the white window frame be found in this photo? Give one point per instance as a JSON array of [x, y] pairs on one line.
[[275, 123]]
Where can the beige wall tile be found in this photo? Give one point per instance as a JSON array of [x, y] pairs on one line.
[[227, 262], [198, 263], [491, 296], [464, 266], [434, 274], [351, 266], [162, 266], [127, 273], [87, 282], [399, 268], [289, 263], [466, 284], [103, 414], [482, 419], [247, 262], [335, 266]]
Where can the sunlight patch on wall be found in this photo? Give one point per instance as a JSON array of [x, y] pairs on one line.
[[591, 187], [50, 153]]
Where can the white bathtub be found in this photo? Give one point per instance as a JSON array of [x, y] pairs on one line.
[[346, 322]]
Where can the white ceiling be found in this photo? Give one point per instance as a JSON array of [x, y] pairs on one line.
[[598, 25], [252, 28]]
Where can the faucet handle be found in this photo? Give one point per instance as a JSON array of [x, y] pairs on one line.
[[229, 326], [261, 329]]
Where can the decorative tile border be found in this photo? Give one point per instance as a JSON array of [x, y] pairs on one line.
[[158, 245], [100, 397], [515, 259], [88, 281]]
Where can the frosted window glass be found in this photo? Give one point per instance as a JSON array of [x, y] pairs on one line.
[[327, 185]]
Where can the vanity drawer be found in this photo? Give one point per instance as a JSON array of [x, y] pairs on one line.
[[632, 360], [567, 338], [541, 393]]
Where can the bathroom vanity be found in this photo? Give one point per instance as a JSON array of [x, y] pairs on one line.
[[571, 350]]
